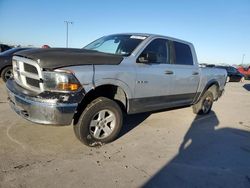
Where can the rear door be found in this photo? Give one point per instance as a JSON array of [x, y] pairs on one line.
[[186, 75]]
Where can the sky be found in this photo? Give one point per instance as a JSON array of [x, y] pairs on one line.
[[219, 29]]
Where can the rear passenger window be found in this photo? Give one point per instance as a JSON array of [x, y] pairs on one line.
[[183, 54]]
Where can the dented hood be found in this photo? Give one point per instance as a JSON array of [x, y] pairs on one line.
[[52, 58]]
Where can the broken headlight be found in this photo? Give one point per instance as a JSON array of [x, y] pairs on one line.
[[60, 80]]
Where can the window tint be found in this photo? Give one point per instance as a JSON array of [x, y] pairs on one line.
[[183, 54], [159, 48]]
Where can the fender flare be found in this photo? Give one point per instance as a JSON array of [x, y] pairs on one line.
[[208, 85], [116, 82]]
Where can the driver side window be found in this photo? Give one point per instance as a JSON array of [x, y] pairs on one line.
[[158, 48]]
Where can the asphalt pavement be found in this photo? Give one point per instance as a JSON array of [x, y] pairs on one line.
[[166, 149]]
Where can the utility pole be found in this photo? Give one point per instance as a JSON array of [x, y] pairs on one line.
[[243, 57], [67, 31]]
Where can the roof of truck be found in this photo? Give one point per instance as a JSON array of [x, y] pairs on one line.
[[153, 35]]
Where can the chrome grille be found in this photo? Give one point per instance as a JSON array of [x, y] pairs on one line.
[[27, 73], [30, 68]]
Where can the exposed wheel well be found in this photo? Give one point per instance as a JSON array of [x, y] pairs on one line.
[[110, 91], [214, 88]]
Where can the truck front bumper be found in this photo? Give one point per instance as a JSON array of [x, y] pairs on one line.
[[39, 109]]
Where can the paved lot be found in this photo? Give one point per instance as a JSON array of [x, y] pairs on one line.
[[167, 149]]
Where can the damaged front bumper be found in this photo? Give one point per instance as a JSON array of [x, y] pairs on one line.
[[45, 108]]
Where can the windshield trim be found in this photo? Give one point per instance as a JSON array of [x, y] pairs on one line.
[[131, 36]]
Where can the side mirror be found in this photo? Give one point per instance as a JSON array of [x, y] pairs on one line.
[[147, 58]]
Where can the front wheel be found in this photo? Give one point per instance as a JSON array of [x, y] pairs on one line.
[[99, 123], [6, 73], [205, 104]]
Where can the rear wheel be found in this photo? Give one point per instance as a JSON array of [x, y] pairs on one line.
[[99, 123], [205, 104], [6, 73]]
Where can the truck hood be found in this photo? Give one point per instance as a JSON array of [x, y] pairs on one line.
[[52, 58]]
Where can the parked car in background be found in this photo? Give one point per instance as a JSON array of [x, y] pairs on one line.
[[206, 65], [233, 75], [245, 71], [6, 62], [4, 47]]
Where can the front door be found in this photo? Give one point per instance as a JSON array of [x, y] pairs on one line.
[[153, 82]]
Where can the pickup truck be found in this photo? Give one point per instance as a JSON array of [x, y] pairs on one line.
[[92, 88]]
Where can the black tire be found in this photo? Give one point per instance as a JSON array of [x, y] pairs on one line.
[[6, 73], [92, 116], [205, 104]]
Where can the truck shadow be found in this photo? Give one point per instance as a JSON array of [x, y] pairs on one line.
[[247, 87], [132, 121], [208, 157]]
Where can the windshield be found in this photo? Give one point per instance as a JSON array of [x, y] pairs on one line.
[[116, 44]]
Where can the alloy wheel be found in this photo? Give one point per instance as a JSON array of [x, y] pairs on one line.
[[102, 124]]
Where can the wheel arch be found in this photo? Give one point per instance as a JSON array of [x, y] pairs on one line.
[[5, 66], [108, 90], [213, 86]]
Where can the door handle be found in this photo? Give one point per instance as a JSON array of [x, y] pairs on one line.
[[169, 72], [195, 73]]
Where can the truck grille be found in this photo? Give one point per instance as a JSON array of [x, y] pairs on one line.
[[30, 68], [27, 73]]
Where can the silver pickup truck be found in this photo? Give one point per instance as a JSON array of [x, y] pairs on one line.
[[92, 88]]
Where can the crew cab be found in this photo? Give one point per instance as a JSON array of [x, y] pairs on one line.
[[92, 88]]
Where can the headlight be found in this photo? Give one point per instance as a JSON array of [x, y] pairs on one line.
[[60, 80]]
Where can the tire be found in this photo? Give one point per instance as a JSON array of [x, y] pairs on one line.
[[205, 104], [99, 123], [6, 73]]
